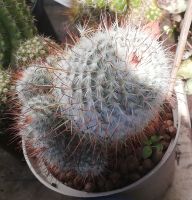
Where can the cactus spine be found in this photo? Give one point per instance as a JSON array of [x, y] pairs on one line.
[[105, 89]]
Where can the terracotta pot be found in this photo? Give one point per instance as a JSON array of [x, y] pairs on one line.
[[150, 187]]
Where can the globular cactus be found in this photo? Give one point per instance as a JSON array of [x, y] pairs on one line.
[[137, 9], [4, 90], [119, 6], [107, 88], [4, 86], [145, 10], [36, 49], [16, 24], [135, 3], [154, 13], [93, 8], [2, 50], [47, 130]]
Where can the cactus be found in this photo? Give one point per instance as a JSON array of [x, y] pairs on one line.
[[36, 49], [4, 89], [93, 8], [2, 50], [54, 146], [118, 6], [153, 13], [105, 89], [15, 25], [135, 3], [145, 10], [4, 86]]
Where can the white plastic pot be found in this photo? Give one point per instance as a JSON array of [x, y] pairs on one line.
[[151, 187]]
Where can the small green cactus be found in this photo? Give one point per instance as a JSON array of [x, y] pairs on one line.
[[119, 6], [2, 49], [16, 24], [35, 49], [147, 11], [96, 3], [154, 13], [135, 3], [93, 8], [4, 87]]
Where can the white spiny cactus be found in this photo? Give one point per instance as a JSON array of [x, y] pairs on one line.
[[116, 80], [106, 88]]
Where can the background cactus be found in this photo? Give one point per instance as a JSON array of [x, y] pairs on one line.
[[142, 9], [154, 13], [37, 49], [16, 24], [145, 10], [113, 5], [105, 89], [4, 86], [4, 89], [93, 8]]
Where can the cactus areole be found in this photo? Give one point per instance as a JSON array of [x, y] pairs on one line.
[[105, 89]]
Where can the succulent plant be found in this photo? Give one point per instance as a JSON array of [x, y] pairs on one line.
[[36, 49], [105, 89], [2, 50], [16, 24], [47, 132], [4, 88], [135, 3], [145, 11], [153, 13], [93, 8], [118, 6]]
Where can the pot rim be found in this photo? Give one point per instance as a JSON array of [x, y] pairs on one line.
[[77, 193]]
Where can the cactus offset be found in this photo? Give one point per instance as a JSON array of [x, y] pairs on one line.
[[105, 89]]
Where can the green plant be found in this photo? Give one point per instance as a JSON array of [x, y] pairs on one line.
[[153, 13], [4, 90], [135, 3], [16, 24], [151, 144], [146, 11], [93, 8], [36, 49], [4, 87], [118, 6], [101, 93]]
